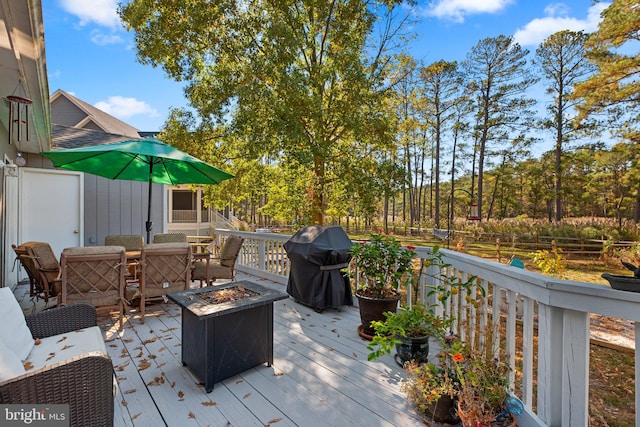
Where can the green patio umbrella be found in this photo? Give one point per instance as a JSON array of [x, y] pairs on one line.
[[139, 160]]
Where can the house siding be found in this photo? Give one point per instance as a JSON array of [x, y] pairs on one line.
[[66, 113]]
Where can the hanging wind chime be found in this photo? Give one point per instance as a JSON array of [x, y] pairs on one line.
[[18, 123]]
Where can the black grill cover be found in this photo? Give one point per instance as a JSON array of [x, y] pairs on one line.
[[317, 255]]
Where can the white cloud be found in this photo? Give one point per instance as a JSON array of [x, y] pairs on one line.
[[102, 39], [557, 19], [101, 12], [124, 108], [456, 10]]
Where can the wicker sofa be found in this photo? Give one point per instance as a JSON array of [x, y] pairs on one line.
[[65, 363]]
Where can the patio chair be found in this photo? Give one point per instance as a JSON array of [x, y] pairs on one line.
[[208, 268], [95, 274], [27, 264], [131, 243], [170, 238], [165, 267], [63, 368], [42, 267]]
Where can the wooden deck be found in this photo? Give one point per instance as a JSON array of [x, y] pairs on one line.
[[320, 375]]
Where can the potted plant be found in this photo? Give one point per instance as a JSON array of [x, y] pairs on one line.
[[409, 330], [382, 267], [432, 389], [482, 389]]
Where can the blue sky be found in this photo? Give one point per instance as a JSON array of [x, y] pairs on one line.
[[90, 55]]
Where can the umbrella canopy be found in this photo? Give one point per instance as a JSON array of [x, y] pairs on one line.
[[139, 160]]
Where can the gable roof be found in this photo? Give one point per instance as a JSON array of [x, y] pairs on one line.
[[94, 116]]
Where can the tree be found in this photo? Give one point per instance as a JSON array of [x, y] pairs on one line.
[[563, 63], [499, 77], [615, 87], [299, 80], [441, 84]]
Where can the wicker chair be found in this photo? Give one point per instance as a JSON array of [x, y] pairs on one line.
[[165, 267], [170, 238], [209, 268], [84, 382], [131, 243], [95, 274], [41, 266]]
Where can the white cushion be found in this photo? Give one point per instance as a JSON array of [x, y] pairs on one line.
[[10, 364], [14, 331], [61, 347]]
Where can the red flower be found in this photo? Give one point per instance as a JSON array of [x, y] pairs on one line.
[[458, 358], [413, 248]]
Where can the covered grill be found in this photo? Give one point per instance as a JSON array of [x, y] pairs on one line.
[[317, 255]]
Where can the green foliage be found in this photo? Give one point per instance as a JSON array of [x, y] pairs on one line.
[[383, 266], [299, 82], [417, 321], [614, 50]]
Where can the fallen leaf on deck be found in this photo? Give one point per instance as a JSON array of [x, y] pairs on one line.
[[209, 403], [27, 366], [124, 403], [133, 390], [167, 330], [67, 347], [181, 395], [246, 395], [150, 340], [152, 356], [173, 384], [62, 339], [140, 354], [37, 341], [136, 415], [128, 340], [144, 364], [355, 355], [192, 415], [156, 381], [278, 374], [275, 420], [162, 364], [51, 356]]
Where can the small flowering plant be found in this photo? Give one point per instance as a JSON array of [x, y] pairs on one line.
[[383, 266], [483, 381]]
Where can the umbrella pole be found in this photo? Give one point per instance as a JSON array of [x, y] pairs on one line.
[[149, 224]]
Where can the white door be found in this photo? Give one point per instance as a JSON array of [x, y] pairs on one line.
[[51, 207]]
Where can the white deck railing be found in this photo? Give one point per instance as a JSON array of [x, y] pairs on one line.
[[553, 375]]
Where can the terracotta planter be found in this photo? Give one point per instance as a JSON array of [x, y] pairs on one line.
[[469, 420], [372, 309], [412, 348]]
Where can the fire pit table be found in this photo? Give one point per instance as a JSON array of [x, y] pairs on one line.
[[226, 329]]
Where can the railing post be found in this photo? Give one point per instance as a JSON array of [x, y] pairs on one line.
[[575, 375], [550, 364], [262, 258], [563, 366], [637, 366]]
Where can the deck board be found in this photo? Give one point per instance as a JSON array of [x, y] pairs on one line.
[[320, 375]]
